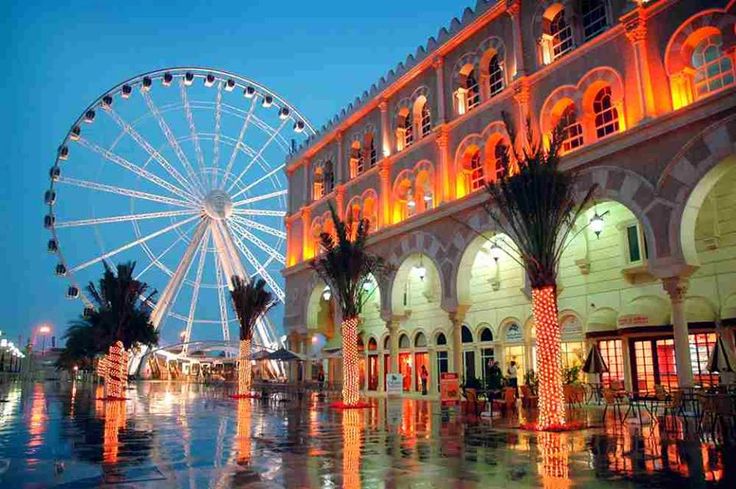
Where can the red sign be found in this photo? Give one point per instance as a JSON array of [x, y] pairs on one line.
[[633, 320], [449, 387]]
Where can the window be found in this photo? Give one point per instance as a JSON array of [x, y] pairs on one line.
[[473, 94], [387, 343], [443, 365], [561, 33], [420, 341], [495, 75], [441, 339], [329, 180], [594, 17], [404, 341], [477, 174], [613, 356], [426, 119], [701, 345], [636, 243], [654, 363], [713, 69], [606, 115], [370, 151], [500, 154], [357, 161], [466, 335], [513, 332], [408, 127], [486, 335], [573, 354], [572, 130], [486, 357]]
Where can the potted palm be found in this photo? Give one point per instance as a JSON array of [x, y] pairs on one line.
[[251, 301], [537, 207], [120, 320], [346, 266]]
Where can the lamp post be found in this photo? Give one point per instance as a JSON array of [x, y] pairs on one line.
[[44, 330]]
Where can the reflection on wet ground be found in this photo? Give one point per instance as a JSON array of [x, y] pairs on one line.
[[181, 435]]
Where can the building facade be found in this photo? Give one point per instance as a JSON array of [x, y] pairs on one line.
[[645, 91]]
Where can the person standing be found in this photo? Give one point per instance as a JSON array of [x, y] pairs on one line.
[[424, 376], [513, 375]]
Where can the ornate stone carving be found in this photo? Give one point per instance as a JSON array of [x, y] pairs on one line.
[[676, 288]]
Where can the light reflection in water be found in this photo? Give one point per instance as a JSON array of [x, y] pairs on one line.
[[554, 451], [115, 418], [351, 429], [38, 417]]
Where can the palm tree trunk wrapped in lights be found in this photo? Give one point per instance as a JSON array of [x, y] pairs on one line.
[[346, 267], [537, 207], [251, 301]]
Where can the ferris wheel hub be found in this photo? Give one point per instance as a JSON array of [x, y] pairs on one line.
[[218, 205]]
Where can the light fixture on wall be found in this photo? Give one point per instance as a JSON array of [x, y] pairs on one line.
[[326, 293], [420, 269], [597, 223], [495, 251]]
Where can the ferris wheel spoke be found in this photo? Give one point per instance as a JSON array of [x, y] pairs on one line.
[[132, 167], [124, 218], [259, 269], [221, 287], [258, 154], [102, 187], [216, 139], [172, 140], [192, 127], [261, 227], [197, 287], [157, 259], [131, 244], [258, 242], [258, 198], [148, 148], [239, 142], [171, 292], [263, 177], [259, 212]]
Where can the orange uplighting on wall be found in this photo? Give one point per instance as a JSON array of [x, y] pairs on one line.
[[551, 398]]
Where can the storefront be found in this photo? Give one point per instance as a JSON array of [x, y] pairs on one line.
[[405, 362], [421, 360], [514, 350], [372, 365]]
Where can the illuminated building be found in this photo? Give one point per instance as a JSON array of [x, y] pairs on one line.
[[646, 93]]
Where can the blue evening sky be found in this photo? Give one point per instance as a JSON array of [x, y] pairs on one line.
[[60, 55]]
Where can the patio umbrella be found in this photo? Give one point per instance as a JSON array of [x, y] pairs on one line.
[[260, 355], [595, 364], [719, 359], [284, 355]]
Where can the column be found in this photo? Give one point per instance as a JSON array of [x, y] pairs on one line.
[[513, 8], [676, 288], [628, 375], [340, 200], [307, 251], [381, 371], [636, 31], [384, 214], [393, 331], [434, 375], [307, 179], [438, 64], [306, 350], [340, 170], [385, 129], [456, 318], [445, 188], [522, 95]]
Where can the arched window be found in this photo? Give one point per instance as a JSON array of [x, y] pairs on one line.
[[406, 129], [318, 183], [572, 130], [561, 34], [329, 179], [387, 343], [372, 345], [501, 161], [477, 173], [466, 335], [606, 115], [425, 118], [495, 75], [486, 334], [472, 90], [713, 69], [370, 154], [404, 341], [357, 160], [594, 17], [420, 341], [441, 339]]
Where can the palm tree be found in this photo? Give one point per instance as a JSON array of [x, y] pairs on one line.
[[537, 207], [80, 348], [119, 320], [345, 266], [251, 301]]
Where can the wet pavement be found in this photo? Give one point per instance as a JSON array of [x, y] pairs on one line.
[[186, 435]]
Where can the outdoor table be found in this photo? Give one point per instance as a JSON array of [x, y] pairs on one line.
[[594, 391], [648, 401]]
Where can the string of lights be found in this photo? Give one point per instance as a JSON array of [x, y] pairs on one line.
[[244, 368], [350, 387]]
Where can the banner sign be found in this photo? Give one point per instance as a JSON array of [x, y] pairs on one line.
[[394, 384], [449, 387]]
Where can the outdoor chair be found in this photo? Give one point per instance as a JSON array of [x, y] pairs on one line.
[[507, 401], [472, 403], [528, 399], [717, 410], [611, 400], [573, 394]]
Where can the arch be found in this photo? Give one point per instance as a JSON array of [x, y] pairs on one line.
[[372, 343], [404, 342], [413, 191], [647, 310], [440, 339], [422, 113], [683, 186], [571, 325], [554, 104], [466, 62], [386, 342], [680, 44], [402, 277], [420, 340], [590, 87], [602, 319], [466, 335], [485, 333], [492, 66], [512, 330], [364, 206]]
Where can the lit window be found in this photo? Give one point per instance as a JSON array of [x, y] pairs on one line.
[[318, 185], [713, 69], [371, 151], [701, 345], [408, 127], [594, 17], [357, 161], [613, 356], [477, 175], [495, 75], [426, 119], [329, 178], [572, 130], [500, 155], [561, 33], [473, 94], [606, 115]]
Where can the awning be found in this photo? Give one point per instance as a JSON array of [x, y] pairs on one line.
[[645, 311], [284, 355], [602, 319], [720, 359]]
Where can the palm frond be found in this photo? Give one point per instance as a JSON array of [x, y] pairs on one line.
[[251, 301]]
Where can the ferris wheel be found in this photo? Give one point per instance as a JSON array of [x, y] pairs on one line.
[[181, 171]]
